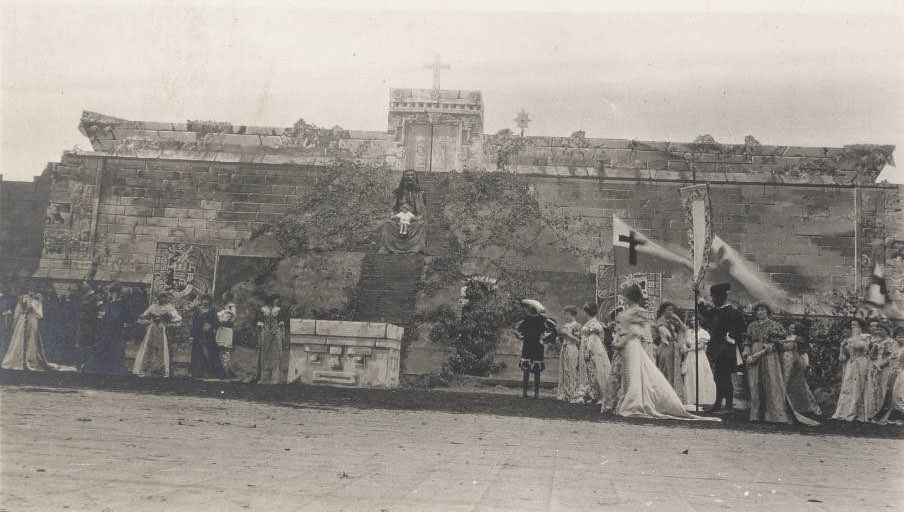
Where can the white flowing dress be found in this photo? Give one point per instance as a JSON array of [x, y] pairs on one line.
[[646, 392], [697, 361]]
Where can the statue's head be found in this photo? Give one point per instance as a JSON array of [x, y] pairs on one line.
[[409, 179]]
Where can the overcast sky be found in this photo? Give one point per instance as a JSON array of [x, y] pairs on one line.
[[802, 79]]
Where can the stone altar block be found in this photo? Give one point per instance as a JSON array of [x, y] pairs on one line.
[[336, 353]]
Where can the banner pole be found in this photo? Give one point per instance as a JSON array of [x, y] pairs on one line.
[[696, 356]]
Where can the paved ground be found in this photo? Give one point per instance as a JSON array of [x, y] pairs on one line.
[[80, 449]]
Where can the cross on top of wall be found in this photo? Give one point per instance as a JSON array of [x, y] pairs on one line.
[[436, 66]]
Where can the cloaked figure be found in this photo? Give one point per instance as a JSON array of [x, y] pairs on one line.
[[414, 239], [106, 355], [727, 328]]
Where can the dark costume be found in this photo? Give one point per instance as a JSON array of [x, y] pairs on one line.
[[534, 330], [415, 240], [85, 335], [7, 308], [723, 355], [106, 355], [205, 354]]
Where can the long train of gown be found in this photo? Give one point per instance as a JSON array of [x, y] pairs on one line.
[[894, 397], [26, 350], [646, 392], [596, 359], [572, 384], [854, 401], [153, 357], [794, 373]]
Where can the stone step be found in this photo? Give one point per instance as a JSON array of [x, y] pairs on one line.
[[388, 286]]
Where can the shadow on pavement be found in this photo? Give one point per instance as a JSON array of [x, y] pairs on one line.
[[301, 396]]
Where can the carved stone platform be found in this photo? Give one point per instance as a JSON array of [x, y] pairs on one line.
[[350, 354]]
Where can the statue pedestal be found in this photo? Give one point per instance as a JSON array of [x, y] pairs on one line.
[[350, 354]]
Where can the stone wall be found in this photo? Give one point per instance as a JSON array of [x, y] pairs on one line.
[[113, 211], [798, 236], [23, 206]]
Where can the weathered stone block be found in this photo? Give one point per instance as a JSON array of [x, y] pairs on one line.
[[138, 211], [111, 209], [163, 221], [196, 213], [192, 223], [245, 207], [237, 216]]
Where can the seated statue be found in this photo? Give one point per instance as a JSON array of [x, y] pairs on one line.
[[405, 231]]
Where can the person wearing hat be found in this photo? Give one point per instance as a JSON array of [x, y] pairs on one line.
[[108, 350], [533, 330], [727, 327]]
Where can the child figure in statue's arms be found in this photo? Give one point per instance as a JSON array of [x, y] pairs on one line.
[[404, 217]]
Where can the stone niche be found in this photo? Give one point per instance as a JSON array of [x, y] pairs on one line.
[[349, 354]]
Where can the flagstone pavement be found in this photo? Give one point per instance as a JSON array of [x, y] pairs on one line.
[[111, 451]]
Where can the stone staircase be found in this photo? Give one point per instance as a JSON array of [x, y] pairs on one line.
[[388, 287], [439, 237], [389, 282]]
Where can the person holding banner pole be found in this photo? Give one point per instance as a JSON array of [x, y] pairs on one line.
[[698, 216]]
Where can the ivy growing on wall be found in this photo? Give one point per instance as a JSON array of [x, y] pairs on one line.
[[342, 211]]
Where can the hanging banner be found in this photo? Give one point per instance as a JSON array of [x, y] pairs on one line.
[[698, 217]]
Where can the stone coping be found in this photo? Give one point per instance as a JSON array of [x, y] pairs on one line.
[[373, 330], [556, 171]]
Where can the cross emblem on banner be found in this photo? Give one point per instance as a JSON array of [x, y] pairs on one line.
[[632, 242]]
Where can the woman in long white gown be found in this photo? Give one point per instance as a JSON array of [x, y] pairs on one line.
[[153, 357], [26, 350], [696, 367], [572, 375], [596, 359], [646, 392]]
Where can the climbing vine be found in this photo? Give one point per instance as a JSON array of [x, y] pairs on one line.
[[341, 211]]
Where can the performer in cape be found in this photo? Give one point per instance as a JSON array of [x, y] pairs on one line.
[[727, 328], [534, 330]]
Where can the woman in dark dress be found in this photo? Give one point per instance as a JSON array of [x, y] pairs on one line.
[[107, 353], [271, 325]]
